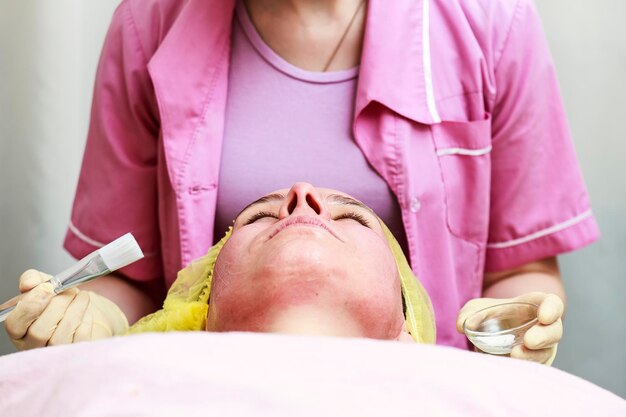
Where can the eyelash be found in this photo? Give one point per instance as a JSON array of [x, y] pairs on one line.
[[349, 215], [258, 216], [354, 216]]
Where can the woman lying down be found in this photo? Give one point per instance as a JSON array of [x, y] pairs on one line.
[[301, 261], [305, 260]]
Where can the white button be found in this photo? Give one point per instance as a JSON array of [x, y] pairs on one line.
[[415, 204]]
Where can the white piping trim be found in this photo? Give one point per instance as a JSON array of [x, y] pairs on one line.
[[95, 243], [83, 237], [463, 151], [541, 233], [428, 75]]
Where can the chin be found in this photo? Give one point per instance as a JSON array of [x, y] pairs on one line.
[[303, 258]]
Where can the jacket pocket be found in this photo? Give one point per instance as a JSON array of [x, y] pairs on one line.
[[463, 152]]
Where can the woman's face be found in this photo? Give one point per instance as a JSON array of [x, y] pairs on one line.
[[307, 248]]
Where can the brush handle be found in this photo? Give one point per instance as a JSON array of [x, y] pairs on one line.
[[90, 267], [8, 306], [57, 286], [120, 252]]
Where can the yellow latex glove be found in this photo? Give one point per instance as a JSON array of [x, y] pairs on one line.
[[541, 340], [42, 318]]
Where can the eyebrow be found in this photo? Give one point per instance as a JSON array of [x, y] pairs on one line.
[[265, 199], [349, 201]]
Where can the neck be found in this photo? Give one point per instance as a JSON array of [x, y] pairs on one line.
[[316, 35], [314, 321], [309, 11]]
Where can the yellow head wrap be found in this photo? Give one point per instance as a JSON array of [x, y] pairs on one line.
[[187, 302]]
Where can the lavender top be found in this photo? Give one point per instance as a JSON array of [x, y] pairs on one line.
[[301, 122]]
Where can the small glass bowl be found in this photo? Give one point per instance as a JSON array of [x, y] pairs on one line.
[[497, 329]]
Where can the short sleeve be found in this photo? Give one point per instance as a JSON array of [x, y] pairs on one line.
[[117, 187], [539, 204]]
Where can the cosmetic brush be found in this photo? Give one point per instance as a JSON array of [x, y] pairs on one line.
[[117, 254]]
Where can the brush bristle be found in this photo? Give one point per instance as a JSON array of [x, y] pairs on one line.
[[121, 252]]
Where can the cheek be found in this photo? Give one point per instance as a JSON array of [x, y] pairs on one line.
[[241, 288], [232, 301], [230, 284], [226, 270], [372, 258], [376, 284]]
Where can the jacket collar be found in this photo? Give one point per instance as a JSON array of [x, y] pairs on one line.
[[189, 71], [192, 61], [393, 60]]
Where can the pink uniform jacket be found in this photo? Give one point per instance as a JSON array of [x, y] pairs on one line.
[[457, 108]]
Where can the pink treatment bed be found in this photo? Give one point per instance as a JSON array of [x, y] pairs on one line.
[[243, 374]]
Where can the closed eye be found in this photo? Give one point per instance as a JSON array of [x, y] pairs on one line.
[[354, 216], [260, 215]]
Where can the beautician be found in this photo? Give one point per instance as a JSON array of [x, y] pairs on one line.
[[444, 116]]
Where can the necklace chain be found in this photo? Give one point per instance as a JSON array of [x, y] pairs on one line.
[[343, 36]]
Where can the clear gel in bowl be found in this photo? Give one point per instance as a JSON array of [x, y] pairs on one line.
[[497, 329]]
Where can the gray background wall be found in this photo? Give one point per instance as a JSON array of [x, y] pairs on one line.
[[588, 41], [48, 52]]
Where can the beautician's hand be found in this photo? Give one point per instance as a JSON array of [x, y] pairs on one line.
[[42, 318], [541, 340]]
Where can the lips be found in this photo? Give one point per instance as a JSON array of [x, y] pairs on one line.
[[302, 221]]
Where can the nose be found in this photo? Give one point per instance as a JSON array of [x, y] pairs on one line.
[[303, 199]]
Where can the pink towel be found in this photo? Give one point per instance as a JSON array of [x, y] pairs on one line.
[[245, 374]]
